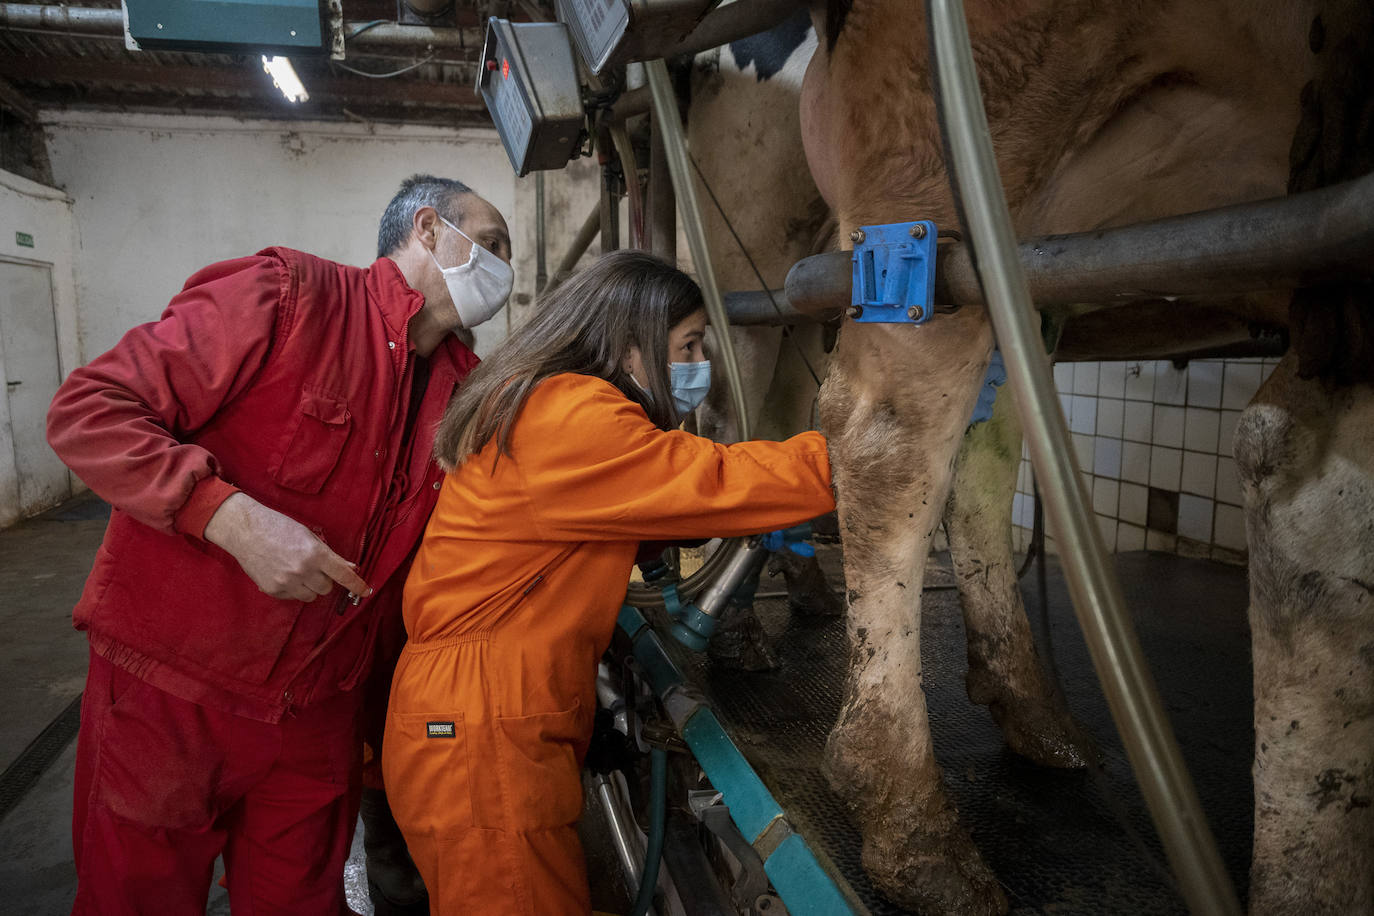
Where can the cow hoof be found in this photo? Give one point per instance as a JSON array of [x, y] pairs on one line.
[[740, 643], [933, 874], [1045, 734], [1035, 726]]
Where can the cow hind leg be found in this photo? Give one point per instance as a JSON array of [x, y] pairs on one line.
[[1305, 451], [892, 456], [1004, 672]]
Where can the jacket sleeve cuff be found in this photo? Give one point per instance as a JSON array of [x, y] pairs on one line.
[[206, 497]]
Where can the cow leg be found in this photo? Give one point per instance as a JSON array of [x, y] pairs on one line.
[[1305, 451], [892, 448], [1004, 671]]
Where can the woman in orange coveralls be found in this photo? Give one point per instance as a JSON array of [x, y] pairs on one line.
[[565, 455]]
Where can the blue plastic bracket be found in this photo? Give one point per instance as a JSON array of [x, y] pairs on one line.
[[672, 601], [894, 273]]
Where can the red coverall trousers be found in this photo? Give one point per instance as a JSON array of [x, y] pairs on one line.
[[164, 786]]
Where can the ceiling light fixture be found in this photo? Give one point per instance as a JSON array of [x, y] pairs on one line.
[[284, 78]]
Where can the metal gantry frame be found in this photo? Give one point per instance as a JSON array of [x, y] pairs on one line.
[[1277, 244]]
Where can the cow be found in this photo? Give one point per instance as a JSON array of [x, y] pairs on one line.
[[745, 109], [1103, 114]]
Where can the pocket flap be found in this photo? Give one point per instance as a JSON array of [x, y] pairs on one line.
[[323, 407]]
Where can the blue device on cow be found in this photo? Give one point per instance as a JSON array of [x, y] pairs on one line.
[[894, 273]]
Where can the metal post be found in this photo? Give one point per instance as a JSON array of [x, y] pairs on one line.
[[591, 226], [669, 123], [541, 274], [609, 205], [662, 216], [1097, 597]]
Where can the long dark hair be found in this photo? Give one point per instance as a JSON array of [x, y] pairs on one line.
[[587, 325]]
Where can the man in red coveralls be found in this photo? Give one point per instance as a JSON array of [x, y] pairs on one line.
[[266, 448]]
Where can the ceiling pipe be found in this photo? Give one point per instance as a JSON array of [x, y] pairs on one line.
[[76, 21]]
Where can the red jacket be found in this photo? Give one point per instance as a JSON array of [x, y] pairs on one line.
[[287, 377]]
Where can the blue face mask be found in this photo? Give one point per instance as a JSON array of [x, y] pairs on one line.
[[689, 383]]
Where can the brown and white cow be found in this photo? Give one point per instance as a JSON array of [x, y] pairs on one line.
[[1104, 113], [745, 134], [762, 213]]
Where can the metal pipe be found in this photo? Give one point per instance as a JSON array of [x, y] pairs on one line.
[[669, 123], [626, 845], [629, 169], [731, 23], [757, 307], [741, 565], [88, 20], [1281, 243], [93, 21], [591, 228], [822, 285], [662, 216], [630, 104], [1097, 598], [541, 273]]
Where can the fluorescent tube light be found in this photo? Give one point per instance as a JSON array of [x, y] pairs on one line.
[[284, 78]]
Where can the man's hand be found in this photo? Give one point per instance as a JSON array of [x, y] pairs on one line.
[[282, 557]]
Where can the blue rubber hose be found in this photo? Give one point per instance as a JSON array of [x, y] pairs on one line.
[[658, 810]]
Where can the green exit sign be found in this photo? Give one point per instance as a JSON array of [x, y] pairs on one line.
[[23, 240]]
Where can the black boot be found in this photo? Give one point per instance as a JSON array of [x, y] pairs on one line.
[[808, 593], [393, 882]]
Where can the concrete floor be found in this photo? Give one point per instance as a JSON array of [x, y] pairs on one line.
[[43, 565]]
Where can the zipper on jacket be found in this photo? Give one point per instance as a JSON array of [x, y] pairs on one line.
[[356, 600]]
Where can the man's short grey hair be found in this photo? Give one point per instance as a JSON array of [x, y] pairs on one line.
[[443, 194]]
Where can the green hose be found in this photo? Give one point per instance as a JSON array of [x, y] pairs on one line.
[[658, 809]]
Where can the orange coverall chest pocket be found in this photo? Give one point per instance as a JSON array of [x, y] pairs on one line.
[[533, 762]]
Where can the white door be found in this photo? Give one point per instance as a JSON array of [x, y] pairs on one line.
[[28, 346]]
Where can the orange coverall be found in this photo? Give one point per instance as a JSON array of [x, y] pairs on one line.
[[510, 604]]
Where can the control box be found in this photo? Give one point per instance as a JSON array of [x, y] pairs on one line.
[[528, 80]]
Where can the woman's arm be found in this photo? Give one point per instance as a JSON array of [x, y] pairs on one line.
[[596, 468]]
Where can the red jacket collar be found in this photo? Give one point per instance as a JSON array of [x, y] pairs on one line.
[[399, 302], [395, 298]]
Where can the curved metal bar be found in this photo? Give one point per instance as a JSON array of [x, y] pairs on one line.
[[1097, 598]]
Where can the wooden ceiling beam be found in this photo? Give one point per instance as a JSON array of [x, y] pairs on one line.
[[263, 109], [247, 79]]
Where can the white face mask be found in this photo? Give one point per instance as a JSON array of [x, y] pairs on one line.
[[481, 286]]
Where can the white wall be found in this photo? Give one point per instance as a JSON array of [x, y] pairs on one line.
[[45, 214], [159, 196]]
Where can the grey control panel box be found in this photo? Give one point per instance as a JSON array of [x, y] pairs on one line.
[[528, 80]]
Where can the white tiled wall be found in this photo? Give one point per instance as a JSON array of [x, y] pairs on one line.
[[1146, 428]]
